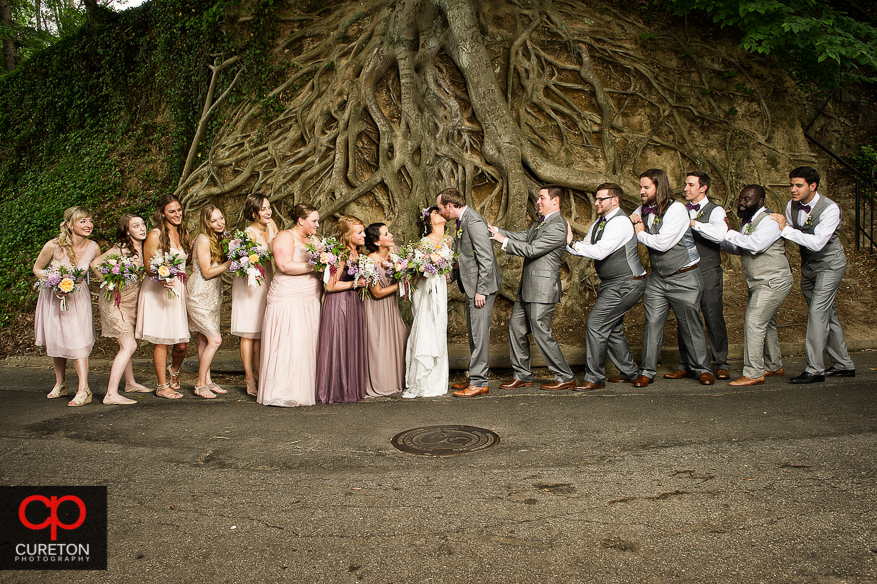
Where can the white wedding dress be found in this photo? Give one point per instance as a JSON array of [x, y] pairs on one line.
[[426, 357]]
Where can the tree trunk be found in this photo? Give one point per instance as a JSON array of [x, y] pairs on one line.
[[10, 56]]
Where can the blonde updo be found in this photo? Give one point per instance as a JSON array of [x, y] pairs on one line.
[[65, 237]]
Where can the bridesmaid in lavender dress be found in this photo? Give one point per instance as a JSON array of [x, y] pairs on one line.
[[341, 362], [386, 333], [248, 302], [161, 320], [204, 295], [67, 334], [292, 318]]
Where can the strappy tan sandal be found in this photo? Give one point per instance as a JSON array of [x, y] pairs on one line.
[[174, 380], [204, 391], [215, 388], [58, 391], [81, 398], [251, 388], [166, 387]]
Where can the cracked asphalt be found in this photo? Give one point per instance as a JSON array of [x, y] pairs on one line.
[[673, 483]]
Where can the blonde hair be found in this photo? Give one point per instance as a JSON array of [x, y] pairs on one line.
[[164, 241], [344, 228], [65, 237], [216, 255]]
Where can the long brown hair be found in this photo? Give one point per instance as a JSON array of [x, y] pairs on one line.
[[663, 193], [344, 229], [123, 235], [65, 237], [216, 255], [164, 241]]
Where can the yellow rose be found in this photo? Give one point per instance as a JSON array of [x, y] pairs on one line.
[[66, 285], [436, 258], [164, 271], [253, 258], [324, 258]]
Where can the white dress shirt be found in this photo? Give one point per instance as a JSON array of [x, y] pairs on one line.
[[767, 232], [615, 235], [828, 223], [716, 228], [674, 225]]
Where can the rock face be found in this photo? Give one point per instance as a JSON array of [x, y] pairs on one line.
[[384, 104]]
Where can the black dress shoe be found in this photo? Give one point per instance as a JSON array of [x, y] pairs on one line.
[[835, 372], [807, 377]]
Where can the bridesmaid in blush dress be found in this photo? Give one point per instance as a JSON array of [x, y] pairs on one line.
[[67, 334], [117, 322], [161, 320], [386, 334], [341, 362], [292, 318], [204, 295], [248, 302]]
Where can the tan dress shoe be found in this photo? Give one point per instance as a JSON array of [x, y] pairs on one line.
[[706, 379], [642, 381], [679, 374], [557, 385], [588, 386], [778, 373], [515, 384], [462, 384], [471, 391], [620, 379], [723, 374], [747, 381]]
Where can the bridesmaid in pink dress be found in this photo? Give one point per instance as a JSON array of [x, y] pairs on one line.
[[161, 320], [248, 302], [292, 318], [118, 321], [67, 334]]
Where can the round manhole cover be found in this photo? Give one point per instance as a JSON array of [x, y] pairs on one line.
[[445, 440]]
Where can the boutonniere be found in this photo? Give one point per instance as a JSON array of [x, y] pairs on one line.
[[656, 222], [809, 221], [699, 215], [540, 223], [748, 229]]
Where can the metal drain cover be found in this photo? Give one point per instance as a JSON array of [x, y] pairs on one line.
[[445, 440]]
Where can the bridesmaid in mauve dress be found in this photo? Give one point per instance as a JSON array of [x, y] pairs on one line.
[[248, 302], [117, 322], [204, 295], [292, 318], [67, 334], [341, 361], [386, 334]]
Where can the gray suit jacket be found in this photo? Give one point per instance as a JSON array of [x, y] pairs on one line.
[[477, 272], [542, 249]]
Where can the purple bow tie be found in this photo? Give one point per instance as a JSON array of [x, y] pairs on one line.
[[689, 206], [746, 220], [648, 209], [803, 207]]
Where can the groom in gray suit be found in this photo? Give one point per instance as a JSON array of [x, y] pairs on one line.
[[479, 279], [542, 246]]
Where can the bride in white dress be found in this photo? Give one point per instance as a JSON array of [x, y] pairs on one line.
[[426, 357]]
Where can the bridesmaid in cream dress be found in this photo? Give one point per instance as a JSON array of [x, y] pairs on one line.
[[292, 318], [161, 320], [67, 334], [204, 295], [117, 322], [248, 302]]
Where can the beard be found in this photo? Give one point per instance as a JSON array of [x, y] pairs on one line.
[[746, 212]]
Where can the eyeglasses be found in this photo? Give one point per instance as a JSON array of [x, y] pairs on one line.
[[601, 199]]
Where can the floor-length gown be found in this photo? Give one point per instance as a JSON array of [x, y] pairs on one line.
[[426, 359], [162, 320], [248, 302], [290, 333], [203, 298], [386, 336], [118, 322], [66, 333], [341, 360]]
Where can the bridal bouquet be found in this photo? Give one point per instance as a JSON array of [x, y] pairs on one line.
[[326, 254], [364, 267], [403, 270], [166, 267], [61, 281], [428, 259], [248, 258], [117, 271]]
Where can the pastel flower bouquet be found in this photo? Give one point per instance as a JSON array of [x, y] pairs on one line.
[[427, 259], [117, 271], [327, 253], [61, 281], [166, 267], [248, 258], [403, 270], [364, 267]]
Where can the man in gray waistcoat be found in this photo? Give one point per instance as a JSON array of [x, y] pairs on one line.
[[662, 225], [708, 228], [542, 246], [611, 243], [763, 254], [813, 221]]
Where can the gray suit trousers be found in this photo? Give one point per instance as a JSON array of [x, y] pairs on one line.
[[682, 293], [712, 308], [761, 345], [824, 332], [535, 318], [478, 324], [605, 334]]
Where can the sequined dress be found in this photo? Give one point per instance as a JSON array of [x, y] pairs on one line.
[[204, 297], [118, 322]]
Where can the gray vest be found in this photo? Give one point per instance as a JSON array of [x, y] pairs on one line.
[[833, 250], [623, 262], [668, 262], [710, 252], [771, 263]]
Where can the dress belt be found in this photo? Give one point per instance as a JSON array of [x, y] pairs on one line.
[[683, 270]]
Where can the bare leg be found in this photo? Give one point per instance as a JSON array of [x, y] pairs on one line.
[[81, 368], [59, 364], [257, 353], [159, 360], [247, 357], [207, 347], [121, 365]]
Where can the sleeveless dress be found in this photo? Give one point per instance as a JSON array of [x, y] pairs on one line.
[[68, 334], [248, 302], [426, 359], [203, 298], [386, 336], [118, 322], [290, 333], [341, 361], [162, 320]]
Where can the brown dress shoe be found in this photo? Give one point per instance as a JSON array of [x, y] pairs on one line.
[[679, 374], [620, 379], [515, 384], [723, 374], [747, 381], [642, 381], [558, 385], [706, 379], [462, 384], [778, 373], [471, 391], [588, 386]]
